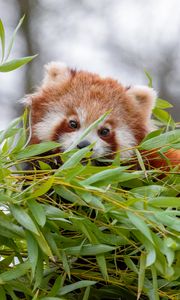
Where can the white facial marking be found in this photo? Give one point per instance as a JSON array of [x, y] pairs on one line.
[[125, 140], [81, 114], [44, 128]]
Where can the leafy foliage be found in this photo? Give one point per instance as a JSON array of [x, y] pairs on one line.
[[10, 65], [81, 231]]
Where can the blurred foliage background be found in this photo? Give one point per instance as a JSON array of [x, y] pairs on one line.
[[114, 38]]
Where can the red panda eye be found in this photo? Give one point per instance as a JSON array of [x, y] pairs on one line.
[[73, 124], [104, 132]]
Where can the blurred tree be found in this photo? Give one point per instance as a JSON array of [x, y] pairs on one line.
[[27, 8]]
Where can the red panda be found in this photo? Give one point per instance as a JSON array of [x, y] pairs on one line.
[[68, 101]]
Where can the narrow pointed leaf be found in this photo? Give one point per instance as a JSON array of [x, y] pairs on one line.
[[15, 63], [24, 219], [74, 286], [13, 37], [2, 38]]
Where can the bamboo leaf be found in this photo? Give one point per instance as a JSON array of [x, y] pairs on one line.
[[102, 265], [43, 244], [14, 273], [68, 195], [159, 141], [15, 63], [33, 150], [90, 249], [74, 286], [37, 211], [155, 283], [14, 36], [164, 201], [161, 103], [106, 174], [32, 247], [141, 275], [163, 116], [140, 225], [24, 219], [41, 190], [2, 38], [74, 159], [54, 290], [149, 78], [86, 293]]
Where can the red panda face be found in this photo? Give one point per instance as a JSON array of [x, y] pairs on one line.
[[69, 101]]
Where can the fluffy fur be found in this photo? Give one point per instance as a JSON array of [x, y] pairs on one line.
[[67, 95]]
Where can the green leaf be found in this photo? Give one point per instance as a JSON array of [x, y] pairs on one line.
[[164, 201], [106, 174], [44, 166], [58, 283], [33, 150], [162, 140], [74, 159], [2, 38], [102, 265], [41, 190], [2, 294], [163, 116], [149, 78], [141, 275], [163, 104], [148, 191], [11, 130], [150, 248], [140, 160], [140, 225], [74, 286], [37, 211], [155, 283], [130, 264], [32, 247], [152, 134], [54, 212], [13, 37], [23, 218], [86, 293], [90, 249], [3, 197], [43, 244], [21, 140], [68, 195], [170, 221], [15, 63], [65, 263], [15, 273], [39, 271]]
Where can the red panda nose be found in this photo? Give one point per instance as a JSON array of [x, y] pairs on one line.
[[83, 144]]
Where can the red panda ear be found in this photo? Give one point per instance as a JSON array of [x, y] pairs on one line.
[[144, 97], [56, 73]]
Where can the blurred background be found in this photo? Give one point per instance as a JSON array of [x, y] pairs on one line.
[[117, 38]]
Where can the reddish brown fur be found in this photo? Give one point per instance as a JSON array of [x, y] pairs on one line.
[[172, 156], [79, 89], [82, 88]]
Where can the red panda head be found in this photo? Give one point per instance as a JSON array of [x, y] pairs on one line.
[[68, 101]]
